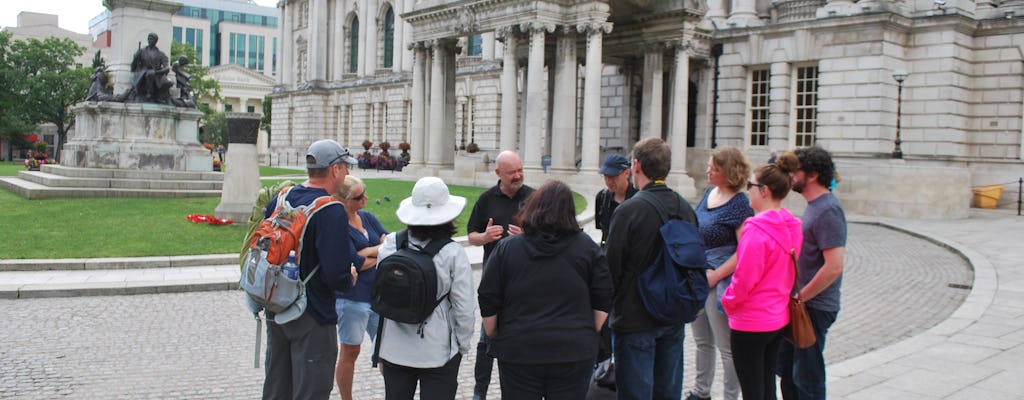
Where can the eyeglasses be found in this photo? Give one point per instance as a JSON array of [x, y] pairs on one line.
[[360, 197], [751, 185]]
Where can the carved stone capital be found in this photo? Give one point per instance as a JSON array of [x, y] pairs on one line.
[[506, 32], [465, 23], [536, 26], [594, 28]]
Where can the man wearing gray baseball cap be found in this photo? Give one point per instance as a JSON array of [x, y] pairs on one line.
[[301, 354]]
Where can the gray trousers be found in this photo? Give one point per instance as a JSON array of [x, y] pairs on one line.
[[301, 357], [711, 329]]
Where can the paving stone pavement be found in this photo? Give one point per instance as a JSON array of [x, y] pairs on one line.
[[200, 345]]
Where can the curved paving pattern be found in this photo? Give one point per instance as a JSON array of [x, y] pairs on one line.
[[200, 345]]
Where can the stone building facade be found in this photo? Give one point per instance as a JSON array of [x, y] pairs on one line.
[[574, 79]]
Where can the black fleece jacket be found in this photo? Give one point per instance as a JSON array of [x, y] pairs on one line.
[[544, 290]]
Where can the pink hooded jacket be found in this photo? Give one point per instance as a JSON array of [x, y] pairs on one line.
[[757, 299]]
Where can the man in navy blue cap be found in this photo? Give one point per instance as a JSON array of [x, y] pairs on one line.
[[616, 178]]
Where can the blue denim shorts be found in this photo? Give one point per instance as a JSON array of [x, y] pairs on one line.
[[355, 317]]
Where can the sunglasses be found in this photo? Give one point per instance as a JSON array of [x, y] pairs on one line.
[[360, 197], [751, 185]]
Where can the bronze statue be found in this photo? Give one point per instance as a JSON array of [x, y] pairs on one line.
[[184, 88], [149, 74], [100, 90]]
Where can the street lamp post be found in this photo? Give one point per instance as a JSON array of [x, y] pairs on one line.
[[899, 75]]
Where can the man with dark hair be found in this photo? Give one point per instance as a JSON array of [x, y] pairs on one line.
[[490, 221], [615, 170], [648, 352], [802, 372], [301, 354]]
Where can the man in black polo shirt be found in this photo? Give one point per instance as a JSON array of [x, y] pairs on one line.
[[490, 221]]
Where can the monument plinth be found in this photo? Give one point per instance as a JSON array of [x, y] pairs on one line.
[[141, 136], [242, 178]]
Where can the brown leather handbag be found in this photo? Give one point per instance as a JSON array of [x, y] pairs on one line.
[[800, 331]]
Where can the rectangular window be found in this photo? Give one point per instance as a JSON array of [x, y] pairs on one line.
[[806, 106], [199, 47], [250, 108], [227, 108], [253, 43], [260, 53], [273, 58], [476, 45], [759, 79], [237, 53], [176, 34], [190, 37]]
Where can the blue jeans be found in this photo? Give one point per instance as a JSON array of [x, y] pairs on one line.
[[802, 372], [649, 365]]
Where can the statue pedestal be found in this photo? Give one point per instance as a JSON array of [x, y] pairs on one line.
[[137, 136], [242, 178]]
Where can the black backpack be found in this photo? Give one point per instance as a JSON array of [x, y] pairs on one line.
[[406, 286], [673, 289]]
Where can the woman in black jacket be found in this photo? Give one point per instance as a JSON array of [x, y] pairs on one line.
[[544, 296]]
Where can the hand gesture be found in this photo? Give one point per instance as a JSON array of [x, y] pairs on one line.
[[514, 229], [493, 232], [355, 274]]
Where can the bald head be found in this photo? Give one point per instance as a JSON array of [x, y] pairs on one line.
[[510, 172]]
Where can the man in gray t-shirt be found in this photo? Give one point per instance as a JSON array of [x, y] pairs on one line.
[[802, 371]]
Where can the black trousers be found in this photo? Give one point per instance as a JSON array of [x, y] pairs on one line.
[[555, 381], [435, 383], [754, 355]]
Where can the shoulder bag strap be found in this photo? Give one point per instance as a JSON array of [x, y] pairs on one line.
[[654, 201]]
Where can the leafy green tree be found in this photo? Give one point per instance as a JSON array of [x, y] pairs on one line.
[[98, 61], [13, 125], [215, 129], [205, 90], [265, 119], [51, 83]]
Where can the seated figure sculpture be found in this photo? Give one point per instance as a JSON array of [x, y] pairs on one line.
[[182, 80], [99, 89], [149, 75]]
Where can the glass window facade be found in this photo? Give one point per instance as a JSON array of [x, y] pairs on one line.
[[476, 45], [236, 50], [353, 46]]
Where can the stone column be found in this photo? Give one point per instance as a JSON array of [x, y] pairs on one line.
[[399, 40], [680, 102], [716, 12], [509, 90], [442, 104], [285, 57], [591, 157], [651, 112], [242, 179], [563, 125], [487, 46], [364, 16], [338, 42], [317, 41], [417, 138], [536, 95], [407, 56], [371, 38], [744, 14]]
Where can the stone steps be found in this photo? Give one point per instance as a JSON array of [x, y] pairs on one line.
[[56, 181]]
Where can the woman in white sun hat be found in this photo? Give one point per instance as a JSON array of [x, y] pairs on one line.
[[429, 354]]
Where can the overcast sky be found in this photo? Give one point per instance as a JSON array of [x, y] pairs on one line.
[[74, 15]]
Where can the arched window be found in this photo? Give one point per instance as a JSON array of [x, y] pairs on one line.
[[353, 51], [389, 38]]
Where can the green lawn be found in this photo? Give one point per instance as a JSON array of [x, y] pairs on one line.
[[129, 227], [10, 169]]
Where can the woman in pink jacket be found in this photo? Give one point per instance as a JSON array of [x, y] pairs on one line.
[[756, 300]]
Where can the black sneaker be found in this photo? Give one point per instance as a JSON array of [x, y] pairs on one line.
[[693, 396]]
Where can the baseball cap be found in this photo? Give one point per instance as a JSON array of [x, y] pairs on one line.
[[614, 164], [326, 153]]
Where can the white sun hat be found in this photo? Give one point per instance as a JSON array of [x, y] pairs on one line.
[[431, 204]]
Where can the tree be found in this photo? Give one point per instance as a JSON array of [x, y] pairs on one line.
[[215, 129], [265, 120], [203, 88], [98, 61], [51, 83], [13, 124]]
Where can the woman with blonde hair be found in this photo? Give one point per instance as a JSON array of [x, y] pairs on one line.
[[720, 214]]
